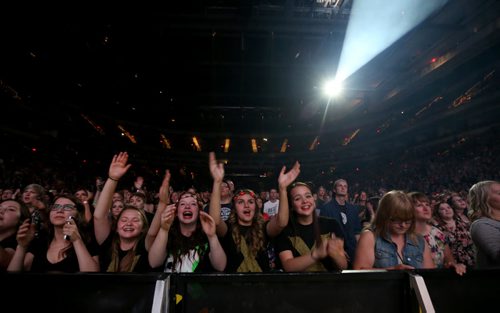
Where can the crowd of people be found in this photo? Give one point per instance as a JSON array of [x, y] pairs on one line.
[[291, 227]]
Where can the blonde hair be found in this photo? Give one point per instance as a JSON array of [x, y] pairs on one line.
[[394, 205], [478, 198]]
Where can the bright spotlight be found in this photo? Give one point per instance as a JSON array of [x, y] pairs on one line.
[[374, 25], [332, 88]]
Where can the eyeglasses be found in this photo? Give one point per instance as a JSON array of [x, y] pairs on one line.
[[63, 207], [399, 221]]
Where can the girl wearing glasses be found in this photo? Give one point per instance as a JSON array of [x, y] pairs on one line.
[[390, 241], [67, 247]]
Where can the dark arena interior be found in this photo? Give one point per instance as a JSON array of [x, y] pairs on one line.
[[419, 110]]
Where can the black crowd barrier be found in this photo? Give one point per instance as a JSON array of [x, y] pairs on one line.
[[82, 292], [350, 291], [288, 293], [476, 291]]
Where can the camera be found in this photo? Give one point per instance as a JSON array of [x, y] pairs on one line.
[[67, 237], [36, 218]]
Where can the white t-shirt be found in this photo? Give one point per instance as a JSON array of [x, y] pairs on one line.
[[271, 208]]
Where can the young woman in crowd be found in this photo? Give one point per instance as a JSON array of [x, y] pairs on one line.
[[390, 241], [457, 232], [434, 237], [246, 236], [12, 214], [67, 247], [186, 240], [124, 248], [484, 198], [309, 243]]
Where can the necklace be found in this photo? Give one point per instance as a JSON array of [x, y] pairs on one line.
[[400, 258]]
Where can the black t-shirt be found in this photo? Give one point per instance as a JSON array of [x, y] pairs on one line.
[[142, 265], [9, 242], [235, 258], [69, 264], [306, 233]]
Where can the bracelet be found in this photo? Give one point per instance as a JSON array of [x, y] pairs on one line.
[[112, 178]]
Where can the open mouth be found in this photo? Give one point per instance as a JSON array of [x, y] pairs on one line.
[[187, 214]]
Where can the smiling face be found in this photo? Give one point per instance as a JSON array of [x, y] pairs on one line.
[[445, 211], [130, 224], [187, 209], [302, 200]]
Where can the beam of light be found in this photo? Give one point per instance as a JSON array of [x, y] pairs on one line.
[[374, 25]]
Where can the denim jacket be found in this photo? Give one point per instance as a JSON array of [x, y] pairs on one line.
[[386, 252]]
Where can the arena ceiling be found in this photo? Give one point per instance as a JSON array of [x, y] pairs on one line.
[[149, 81]]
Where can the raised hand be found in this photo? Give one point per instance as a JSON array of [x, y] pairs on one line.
[[207, 223], [25, 233], [119, 166], [216, 169], [71, 230], [285, 179], [167, 217], [164, 188]]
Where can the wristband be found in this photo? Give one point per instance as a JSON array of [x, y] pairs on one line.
[[112, 178]]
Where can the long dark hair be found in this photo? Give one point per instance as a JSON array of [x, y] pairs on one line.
[[79, 219], [255, 237], [294, 215], [178, 244]]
